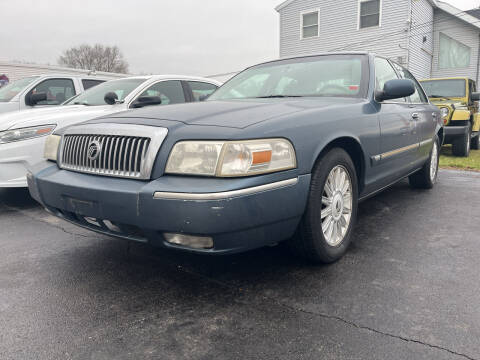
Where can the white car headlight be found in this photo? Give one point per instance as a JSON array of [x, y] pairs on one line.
[[231, 158], [444, 112], [51, 147], [25, 133]]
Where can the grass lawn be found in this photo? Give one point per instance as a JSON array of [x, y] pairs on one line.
[[448, 161]]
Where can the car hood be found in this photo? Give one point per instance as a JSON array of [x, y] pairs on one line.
[[8, 106], [60, 115], [233, 113]]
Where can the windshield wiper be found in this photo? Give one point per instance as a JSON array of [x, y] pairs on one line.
[[81, 103], [276, 96]]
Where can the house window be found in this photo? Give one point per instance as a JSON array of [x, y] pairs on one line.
[[369, 13], [310, 24], [453, 54]]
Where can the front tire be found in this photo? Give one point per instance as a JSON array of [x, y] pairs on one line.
[[461, 145], [325, 231], [427, 176]]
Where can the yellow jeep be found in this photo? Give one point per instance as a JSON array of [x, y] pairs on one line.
[[457, 99]]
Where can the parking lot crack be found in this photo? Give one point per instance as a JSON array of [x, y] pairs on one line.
[[327, 316], [368, 328], [13, 209]]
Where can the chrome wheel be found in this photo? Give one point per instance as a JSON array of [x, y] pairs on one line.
[[434, 162], [336, 205]]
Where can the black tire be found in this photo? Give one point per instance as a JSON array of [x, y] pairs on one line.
[[309, 241], [426, 177], [461, 145], [475, 144]]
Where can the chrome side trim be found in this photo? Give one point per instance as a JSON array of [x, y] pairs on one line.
[[426, 142], [224, 194], [398, 151], [377, 159]]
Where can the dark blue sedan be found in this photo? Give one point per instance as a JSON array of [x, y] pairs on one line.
[[283, 151]]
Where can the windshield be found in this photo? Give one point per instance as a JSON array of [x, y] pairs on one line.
[[445, 88], [327, 75], [95, 96], [8, 92]]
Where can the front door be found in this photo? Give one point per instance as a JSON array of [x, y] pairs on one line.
[[425, 115], [399, 137]]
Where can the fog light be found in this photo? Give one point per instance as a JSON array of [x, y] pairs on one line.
[[195, 242]]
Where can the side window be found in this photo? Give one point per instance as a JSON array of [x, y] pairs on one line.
[[201, 90], [417, 97], [383, 73], [88, 83], [57, 90], [171, 92]]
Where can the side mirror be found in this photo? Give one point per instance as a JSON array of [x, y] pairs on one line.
[[110, 98], [203, 97], [475, 96], [396, 89], [147, 101], [34, 99]]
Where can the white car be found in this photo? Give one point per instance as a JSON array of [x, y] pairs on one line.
[[23, 133], [44, 90]]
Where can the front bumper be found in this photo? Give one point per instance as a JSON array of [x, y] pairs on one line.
[[452, 132], [16, 158], [238, 214]]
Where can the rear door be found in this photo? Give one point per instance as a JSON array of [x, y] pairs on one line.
[[398, 129]]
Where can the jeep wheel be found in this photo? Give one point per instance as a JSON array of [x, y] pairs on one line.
[[475, 145], [461, 145], [426, 177], [325, 230]]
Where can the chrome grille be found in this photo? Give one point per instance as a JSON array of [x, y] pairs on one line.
[[118, 155], [111, 150]]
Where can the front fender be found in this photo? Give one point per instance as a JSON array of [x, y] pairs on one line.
[[331, 140], [461, 115]]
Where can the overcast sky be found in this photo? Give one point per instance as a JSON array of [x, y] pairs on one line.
[[156, 36]]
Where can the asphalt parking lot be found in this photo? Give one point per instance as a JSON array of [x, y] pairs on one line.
[[408, 289]]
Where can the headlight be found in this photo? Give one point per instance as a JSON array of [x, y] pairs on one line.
[[51, 147], [444, 112], [231, 158], [25, 133]]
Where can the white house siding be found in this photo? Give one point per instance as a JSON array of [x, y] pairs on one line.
[[16, 71], [339, 27], [460, 31], [421, 53]]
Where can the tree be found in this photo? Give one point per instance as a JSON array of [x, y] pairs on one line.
[[97, 57]]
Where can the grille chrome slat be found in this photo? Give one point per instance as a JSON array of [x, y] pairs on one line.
[[121, 150], [119, 155]]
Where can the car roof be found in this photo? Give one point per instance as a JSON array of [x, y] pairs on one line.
[[315, 55], [171, 76], [80, 76]]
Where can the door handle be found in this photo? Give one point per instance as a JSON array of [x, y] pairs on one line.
[[415, 116], [434, 115]]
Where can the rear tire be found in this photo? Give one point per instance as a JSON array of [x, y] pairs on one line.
[[461, 145], [325, 230], [426, 177], [475, 145]]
